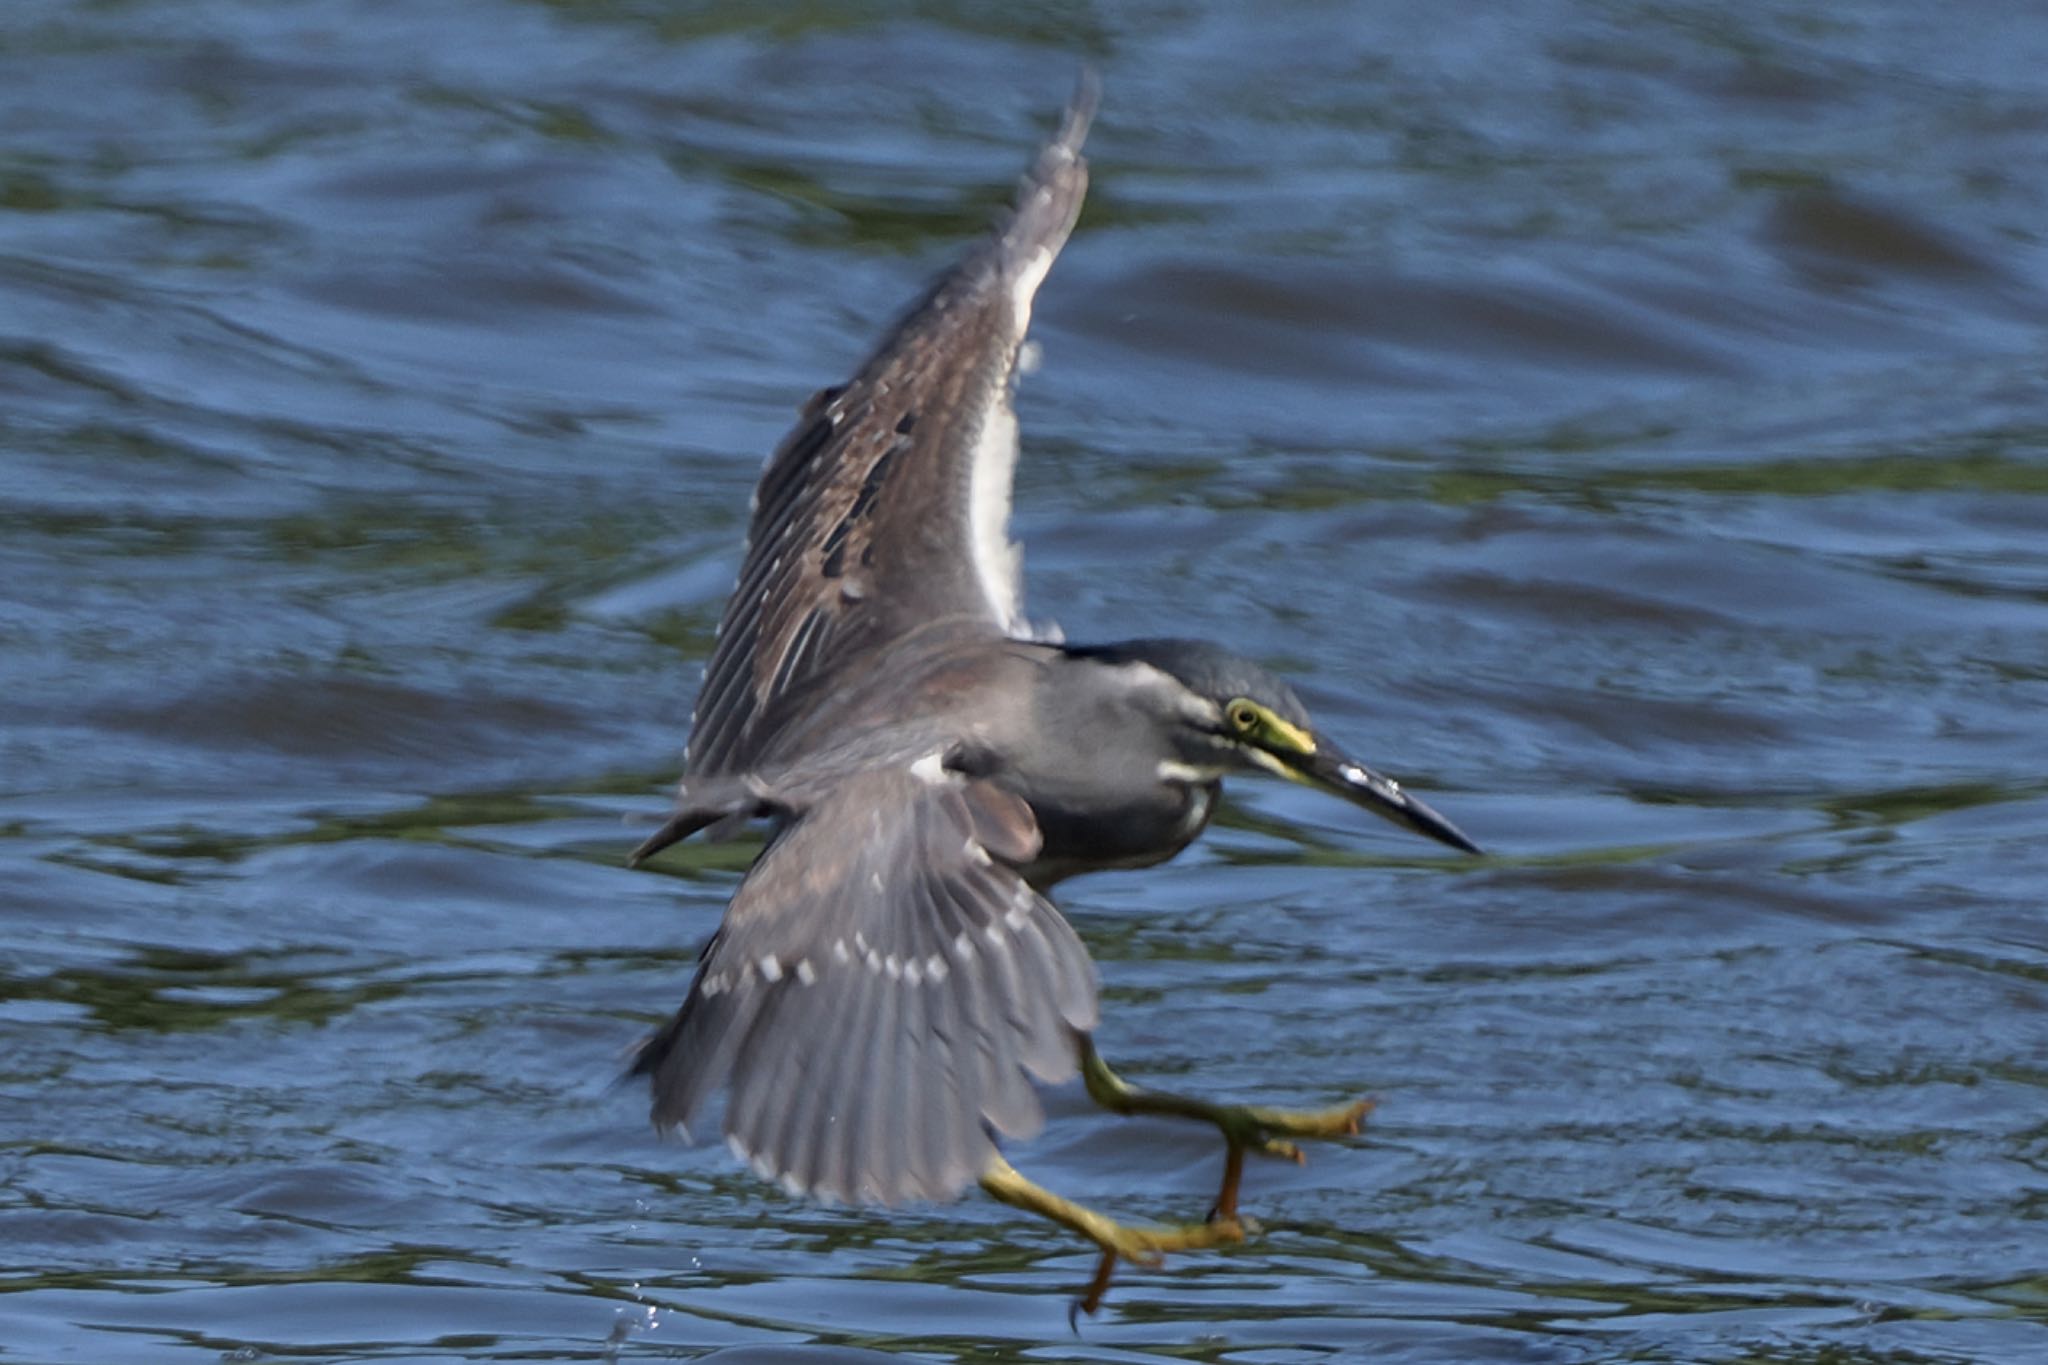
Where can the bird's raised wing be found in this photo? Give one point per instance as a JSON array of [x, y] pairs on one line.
[[887, 508], [882, 987]]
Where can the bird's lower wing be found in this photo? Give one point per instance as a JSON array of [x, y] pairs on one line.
[[881, 993]]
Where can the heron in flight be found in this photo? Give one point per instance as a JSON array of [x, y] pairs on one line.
[[889, 979]]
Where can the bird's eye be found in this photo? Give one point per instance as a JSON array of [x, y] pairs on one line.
[[1244, 716]]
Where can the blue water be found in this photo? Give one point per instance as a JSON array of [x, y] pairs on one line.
[[1628, 423]]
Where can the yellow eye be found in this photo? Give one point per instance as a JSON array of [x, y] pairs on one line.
[[1244, 716]]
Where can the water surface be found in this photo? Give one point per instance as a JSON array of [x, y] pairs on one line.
[[1628, 422]]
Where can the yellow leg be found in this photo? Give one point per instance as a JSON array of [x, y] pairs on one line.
[[1138, 1245], [1245, 1127]]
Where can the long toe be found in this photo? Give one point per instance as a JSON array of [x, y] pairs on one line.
[[1147, 1246], [1338, 1121]]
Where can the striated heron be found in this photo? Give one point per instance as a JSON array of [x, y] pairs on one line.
[[889, 978]]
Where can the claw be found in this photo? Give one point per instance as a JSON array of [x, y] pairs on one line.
[[1091, 1299]]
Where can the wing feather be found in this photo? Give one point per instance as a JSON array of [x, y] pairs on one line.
[[880, 994], [886, 507]]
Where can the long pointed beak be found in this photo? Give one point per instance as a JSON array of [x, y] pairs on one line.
[[1361, 786]]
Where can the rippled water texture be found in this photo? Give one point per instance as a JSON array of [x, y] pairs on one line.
[[1628, 422]]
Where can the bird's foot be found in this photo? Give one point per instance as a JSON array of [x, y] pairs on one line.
[[1140, 1245], [1147, 1246], [1256, 1128], [1271, 1133]]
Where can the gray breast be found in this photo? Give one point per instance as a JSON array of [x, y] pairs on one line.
[[1090, 835]]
